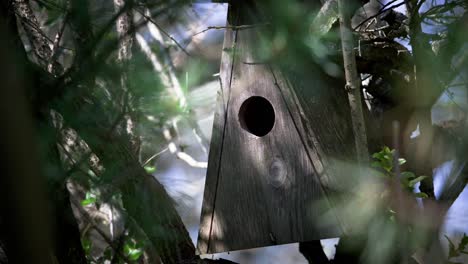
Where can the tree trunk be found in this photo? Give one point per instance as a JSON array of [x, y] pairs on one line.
[[24, 207]]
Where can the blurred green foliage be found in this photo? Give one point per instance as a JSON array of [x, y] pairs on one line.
[[384, 160]]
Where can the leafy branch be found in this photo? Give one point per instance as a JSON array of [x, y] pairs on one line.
[[384, 160]]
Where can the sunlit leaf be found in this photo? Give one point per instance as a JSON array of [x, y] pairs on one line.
[[131, 251], [90, 199], [150, 169], [135, 254]]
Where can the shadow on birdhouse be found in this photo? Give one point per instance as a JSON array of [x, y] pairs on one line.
[[273, 130]]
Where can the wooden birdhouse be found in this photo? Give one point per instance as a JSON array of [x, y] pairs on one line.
[[268, 169]]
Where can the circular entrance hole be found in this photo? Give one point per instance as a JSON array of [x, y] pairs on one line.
[[257, 116]]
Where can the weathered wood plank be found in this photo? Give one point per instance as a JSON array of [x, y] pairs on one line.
[[216, 145], [327, 167], [323, 113]]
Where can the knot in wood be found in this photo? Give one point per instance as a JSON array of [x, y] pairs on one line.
[[278, 173]]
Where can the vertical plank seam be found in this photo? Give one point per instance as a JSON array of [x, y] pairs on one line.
[[224, 132]]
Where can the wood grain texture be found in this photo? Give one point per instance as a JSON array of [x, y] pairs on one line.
[[216, 144], [252, 208], [324, 165], [323, 115], [274, 189]]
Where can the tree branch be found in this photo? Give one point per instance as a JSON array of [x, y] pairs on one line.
[[353, 84]]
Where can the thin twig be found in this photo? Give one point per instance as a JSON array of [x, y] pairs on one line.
[[38, 30], [240, 27], [148, 18], [154, 156], [381, 11]]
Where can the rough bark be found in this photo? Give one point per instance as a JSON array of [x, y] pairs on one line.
[[39, 41], [123, 95]]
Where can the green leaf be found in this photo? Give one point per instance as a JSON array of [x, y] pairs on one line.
[[387, 165], [376, 164], [386, 150], [90, 199], [388, 157], [420, 195], [86, 202], [126, 249], [132, 252], [401, 161], [378, 155], [135, 254], [405, 178], [150, 169], [414, 181], [407, 175]]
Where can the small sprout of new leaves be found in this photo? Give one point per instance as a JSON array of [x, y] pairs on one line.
[[384, 160], [457, 251], [89, 199], [132, 250], [150, 169]]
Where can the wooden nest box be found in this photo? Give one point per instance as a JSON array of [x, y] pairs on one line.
[[273, 134]]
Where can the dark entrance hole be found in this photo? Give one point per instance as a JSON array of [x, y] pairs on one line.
[[257, 116]]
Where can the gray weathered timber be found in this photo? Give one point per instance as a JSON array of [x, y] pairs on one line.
[[216, 146], [250, 209], [276, 188]]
